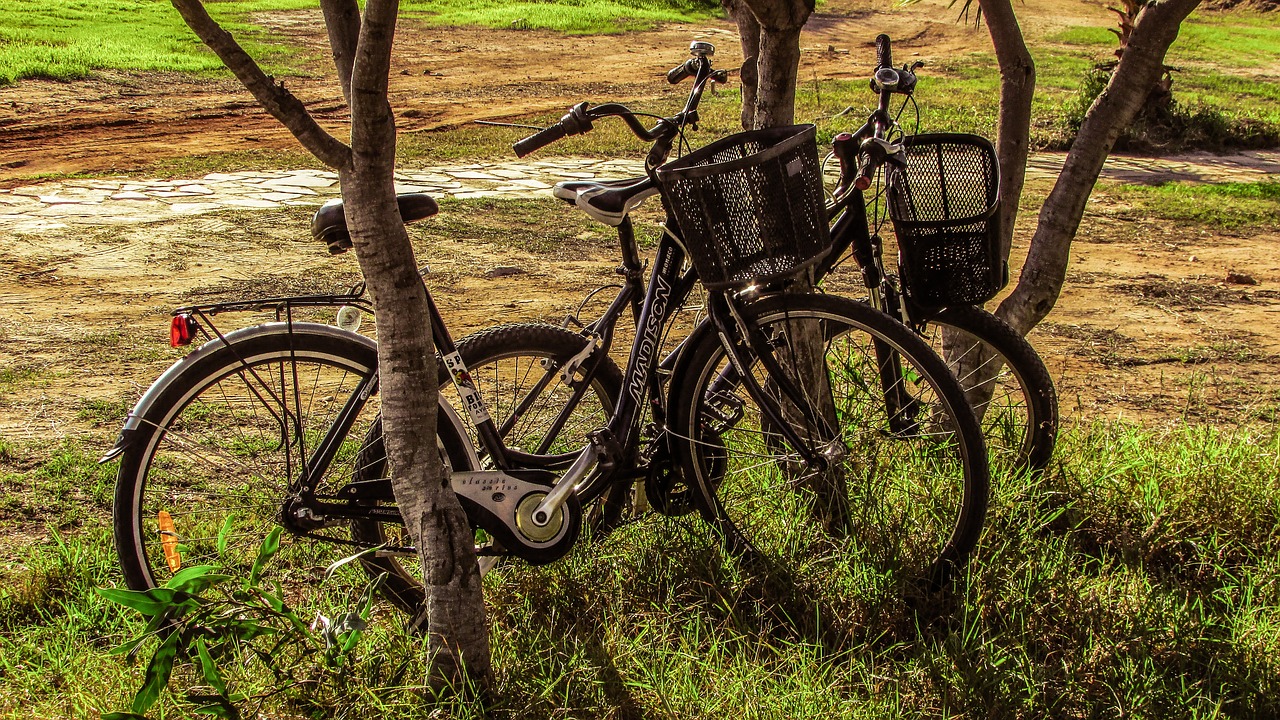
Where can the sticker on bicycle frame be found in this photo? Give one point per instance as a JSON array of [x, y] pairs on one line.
[[466, 388]]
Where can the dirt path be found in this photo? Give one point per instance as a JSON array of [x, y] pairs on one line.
[[1148, 327], [442, 77]]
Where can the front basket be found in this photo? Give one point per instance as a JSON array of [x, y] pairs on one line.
[[945, 207], [750, 207]]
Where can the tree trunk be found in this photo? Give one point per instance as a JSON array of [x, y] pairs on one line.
[[778, 68], [1017, 87], [1046, 266], [770, 32], [453, 614]]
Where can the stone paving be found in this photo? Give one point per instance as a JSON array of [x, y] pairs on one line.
[[67, 203]]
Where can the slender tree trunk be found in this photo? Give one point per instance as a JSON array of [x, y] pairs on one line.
[[1017, 87], [1046, 266], [1045, 269], [778, 68], [453, 614], [770, 33]]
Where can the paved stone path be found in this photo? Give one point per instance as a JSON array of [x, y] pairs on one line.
[[66, 203]]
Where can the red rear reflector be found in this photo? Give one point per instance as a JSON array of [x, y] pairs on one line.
[[182, 330], [862, 183]]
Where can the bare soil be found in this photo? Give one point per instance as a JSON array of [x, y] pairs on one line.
[[1148, 326]]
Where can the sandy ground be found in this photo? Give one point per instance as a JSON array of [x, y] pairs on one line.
[[1148, 326]]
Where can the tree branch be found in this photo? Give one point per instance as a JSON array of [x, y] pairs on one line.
[[371, 118], [278, 101], [1139, 68], [342, 19]]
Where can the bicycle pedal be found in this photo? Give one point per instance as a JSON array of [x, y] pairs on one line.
[[607, 450]]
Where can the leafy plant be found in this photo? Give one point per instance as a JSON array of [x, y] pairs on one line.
[[209, 621]]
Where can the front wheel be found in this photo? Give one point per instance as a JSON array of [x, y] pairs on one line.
[[903, 497]]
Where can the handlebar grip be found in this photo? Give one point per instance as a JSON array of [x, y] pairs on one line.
[[540, 139], [884, 54], [678, 73]]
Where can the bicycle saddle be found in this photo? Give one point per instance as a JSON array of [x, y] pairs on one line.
[[329, 224], [608, 201]]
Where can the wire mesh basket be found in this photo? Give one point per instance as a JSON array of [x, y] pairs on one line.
[[945, 207], [750, 207]]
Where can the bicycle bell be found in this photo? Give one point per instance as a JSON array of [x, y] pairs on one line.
[[702, 49]]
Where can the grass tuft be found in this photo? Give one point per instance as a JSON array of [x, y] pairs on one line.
[[1219, 206]]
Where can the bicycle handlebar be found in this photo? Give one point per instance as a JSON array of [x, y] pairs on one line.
[[579, 119], [678, 73], [884, 54], [540, 139], [862, 152]]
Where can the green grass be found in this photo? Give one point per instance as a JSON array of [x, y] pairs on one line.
[[1221, 98], [567, 16], [1241, 38], [1138, 578], [1220, 206], [70, 39]]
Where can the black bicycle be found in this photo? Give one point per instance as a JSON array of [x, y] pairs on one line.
[[819, 434], [941, 191]]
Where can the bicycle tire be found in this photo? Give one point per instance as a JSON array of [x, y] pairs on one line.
[[209, 451], [1020, 419], [508, 362], [915, 498]]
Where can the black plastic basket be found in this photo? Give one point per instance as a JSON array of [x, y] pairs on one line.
[[945, 207], [750, 207]]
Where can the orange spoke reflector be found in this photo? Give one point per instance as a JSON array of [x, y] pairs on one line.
[[169, 541]]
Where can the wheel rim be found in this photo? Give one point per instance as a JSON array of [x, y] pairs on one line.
[[505, 382], [1007, 415]]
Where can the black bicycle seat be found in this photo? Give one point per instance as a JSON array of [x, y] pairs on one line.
[[608, 201], [330, 222]]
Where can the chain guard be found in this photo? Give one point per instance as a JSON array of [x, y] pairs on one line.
[[493, 500]]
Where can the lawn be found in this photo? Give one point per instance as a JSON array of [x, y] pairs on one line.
[[1138, 578], [68, 39]]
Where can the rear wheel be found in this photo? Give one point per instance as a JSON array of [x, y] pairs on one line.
[[206, 474], [903, 498], [542, 413]]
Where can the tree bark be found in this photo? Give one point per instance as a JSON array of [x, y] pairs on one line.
[[453, 614], [749, 37], [778, 68], [342, 21], [1046, 266], [773, 31], [1017, 87]]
